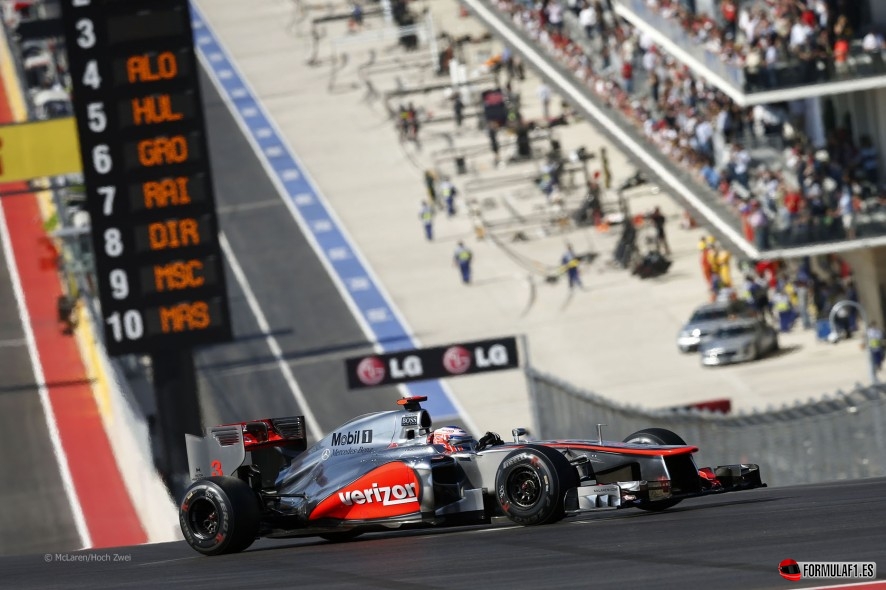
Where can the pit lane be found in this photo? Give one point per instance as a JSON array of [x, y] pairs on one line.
[[734, 541]]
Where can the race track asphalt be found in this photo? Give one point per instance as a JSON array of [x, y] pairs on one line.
[[729, 542]]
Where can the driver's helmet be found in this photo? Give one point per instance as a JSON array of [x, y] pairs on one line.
[[453, 438]]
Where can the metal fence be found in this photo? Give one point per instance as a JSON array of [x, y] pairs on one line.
[[841, 436]]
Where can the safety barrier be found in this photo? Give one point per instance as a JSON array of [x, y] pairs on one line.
[[128, 431], [839, 436]]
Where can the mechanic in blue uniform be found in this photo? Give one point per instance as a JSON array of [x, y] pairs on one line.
[[875, 345], [570, 265], [427, 219], [449, 191], [462, 259]]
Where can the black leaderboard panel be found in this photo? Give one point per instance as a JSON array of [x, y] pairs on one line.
[[145, 160]]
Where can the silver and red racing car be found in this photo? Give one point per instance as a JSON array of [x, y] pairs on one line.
[[382, 471]]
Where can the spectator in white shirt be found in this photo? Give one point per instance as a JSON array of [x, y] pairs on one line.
[[801, 34], [588, 19]]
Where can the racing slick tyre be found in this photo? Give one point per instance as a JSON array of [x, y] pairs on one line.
[[219, 515], [656, 436], [531, 485]]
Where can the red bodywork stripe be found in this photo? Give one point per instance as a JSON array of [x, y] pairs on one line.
[[619, 450]]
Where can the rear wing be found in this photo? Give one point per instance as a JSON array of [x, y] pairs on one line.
[[224, 448]]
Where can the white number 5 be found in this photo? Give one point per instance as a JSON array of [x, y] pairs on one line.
[[97, 119]]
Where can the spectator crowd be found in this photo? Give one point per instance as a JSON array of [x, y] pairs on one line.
[[801, 40], [807, 193]]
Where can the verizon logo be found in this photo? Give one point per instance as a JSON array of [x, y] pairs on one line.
[[386, 495]]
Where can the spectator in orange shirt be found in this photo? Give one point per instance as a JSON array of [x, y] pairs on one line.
[[841, 54], [704, 245]]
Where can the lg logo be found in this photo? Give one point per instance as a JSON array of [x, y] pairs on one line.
[[371, 370], [409, 367], [433, 363], [457, 359]]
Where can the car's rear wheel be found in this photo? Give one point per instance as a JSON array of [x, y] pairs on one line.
[[531, 485], [656, 436], [219, 515]]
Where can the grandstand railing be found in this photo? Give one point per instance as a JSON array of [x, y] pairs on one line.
[[839, 436], [674, 31], [788, 73]]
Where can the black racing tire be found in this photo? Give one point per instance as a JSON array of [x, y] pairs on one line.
[[342, 537], [531, 485], [656, 436], [219, 515]]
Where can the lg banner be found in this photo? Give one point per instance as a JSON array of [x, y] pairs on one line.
[[420, 364]]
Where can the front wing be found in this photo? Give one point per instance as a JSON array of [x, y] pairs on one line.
[[631, 494]]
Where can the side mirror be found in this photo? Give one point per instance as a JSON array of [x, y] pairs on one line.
[[518, 432]]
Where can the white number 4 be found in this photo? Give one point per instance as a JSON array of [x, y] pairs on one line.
[[90, 75]]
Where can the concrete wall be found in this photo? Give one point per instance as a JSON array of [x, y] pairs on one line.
[[877, 10], [866, 118], [869, 269]]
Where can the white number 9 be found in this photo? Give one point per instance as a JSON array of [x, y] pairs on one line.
[[119, 284]]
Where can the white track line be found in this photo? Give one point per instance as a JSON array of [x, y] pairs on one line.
[[240, 276], [36, 366]]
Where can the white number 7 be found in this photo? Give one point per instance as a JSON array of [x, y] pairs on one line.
[[108, 192]]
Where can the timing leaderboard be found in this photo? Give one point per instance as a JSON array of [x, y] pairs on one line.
[[145, 161]]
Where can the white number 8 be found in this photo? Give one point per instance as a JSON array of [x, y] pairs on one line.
[[113, 242]]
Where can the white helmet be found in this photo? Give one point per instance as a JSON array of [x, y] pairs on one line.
[[454, 437]]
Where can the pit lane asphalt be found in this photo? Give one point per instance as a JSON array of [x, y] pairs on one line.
[[35, 515], [306, 314], [729, 542]]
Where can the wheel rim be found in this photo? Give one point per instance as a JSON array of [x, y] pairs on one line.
[[203, 518], [524, 487]]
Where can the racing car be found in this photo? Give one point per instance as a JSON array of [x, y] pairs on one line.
[[383, 471]]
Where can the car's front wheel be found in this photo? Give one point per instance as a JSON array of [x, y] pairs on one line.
[[754, 353], [219, 515], [656, 436], [531, 485]]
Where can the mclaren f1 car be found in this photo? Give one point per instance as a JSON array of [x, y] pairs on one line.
[[381, 471]]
